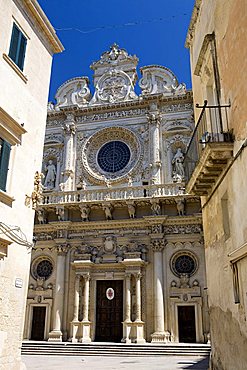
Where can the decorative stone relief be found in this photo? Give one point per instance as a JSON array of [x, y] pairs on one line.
[[158, 245], [156, 229], [115, 58], [92, 145], [36, 197], [113, 87], [73, 92], [52, 153], [158, 79], [182, 229], [95, 117]]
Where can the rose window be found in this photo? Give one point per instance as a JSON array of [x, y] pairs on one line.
[[44, 269], [184, 263], [113, 156]]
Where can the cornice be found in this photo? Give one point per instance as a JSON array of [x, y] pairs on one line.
[[44, 23], [118, 224], [193, 20], [11, 130], [141, 102]]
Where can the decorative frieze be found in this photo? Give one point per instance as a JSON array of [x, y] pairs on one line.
[[182, 229]]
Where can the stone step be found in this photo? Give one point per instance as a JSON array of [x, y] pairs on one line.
[[97, 349]]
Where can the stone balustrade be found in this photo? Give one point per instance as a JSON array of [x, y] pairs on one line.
[[114, 193]]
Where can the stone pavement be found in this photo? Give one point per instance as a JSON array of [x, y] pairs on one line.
[[114, 363]]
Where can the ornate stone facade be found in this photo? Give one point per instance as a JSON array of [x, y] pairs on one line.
[[117, 217]]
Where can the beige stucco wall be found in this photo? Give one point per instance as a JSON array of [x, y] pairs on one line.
[[228, 20], [25, 102]]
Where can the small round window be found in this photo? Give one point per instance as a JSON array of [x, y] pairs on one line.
[[113, 156], [184, 263], [42, 268]]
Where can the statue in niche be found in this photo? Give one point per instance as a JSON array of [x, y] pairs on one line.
[[155, 207], [180, 207], [85, 210], [50, 175], [131, 210], [41, 216], [108, 212], [178, 167]]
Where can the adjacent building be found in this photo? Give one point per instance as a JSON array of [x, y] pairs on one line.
[[216, 164], [119, 253], [27, 44]]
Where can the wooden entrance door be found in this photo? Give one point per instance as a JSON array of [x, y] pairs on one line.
[[38, 323], [186, 324], [109, 312]]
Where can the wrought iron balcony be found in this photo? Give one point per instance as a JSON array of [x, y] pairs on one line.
[[209, 149]]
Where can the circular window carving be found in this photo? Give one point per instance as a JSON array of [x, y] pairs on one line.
[[42, 268], [111, 153], [184, 263], [113, 156]]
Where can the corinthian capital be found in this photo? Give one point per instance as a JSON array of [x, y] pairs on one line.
[[62, 249], [154, 118], [69, 125], [158, 245]]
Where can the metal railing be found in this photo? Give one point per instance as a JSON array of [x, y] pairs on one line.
[[212, 127]]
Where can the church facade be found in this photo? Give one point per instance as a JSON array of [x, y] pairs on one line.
[[119, 254]]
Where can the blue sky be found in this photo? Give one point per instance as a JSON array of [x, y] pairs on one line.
[[154, 30]]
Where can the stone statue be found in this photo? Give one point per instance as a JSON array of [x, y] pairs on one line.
[[131, 210], [85, 210], [41, 216], [36, 196], [178, 168], [180, 206], [81, 184], [108, 210], [155, 207], [50, 175]]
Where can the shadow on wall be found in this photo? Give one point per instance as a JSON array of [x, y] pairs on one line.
[[196, 364]]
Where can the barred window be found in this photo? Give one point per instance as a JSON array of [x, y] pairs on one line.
[[113, 156]]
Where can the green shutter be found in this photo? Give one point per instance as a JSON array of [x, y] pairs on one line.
[[22, 49], [14, 43], [17, 47], [4, 164]]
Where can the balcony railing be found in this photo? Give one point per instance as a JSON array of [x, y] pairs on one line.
[[212, 127], [112, 194]]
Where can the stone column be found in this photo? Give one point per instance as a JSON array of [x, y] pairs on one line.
[[69, 133], [154, 119], [76, 298], [75, 325], [56, 333], [159, 334], [86, 324], [66, 295], [138, 297], [138, 323], [127, 322]]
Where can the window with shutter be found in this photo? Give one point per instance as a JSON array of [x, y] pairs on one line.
[[17, 47], [5, 148]]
